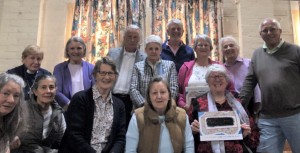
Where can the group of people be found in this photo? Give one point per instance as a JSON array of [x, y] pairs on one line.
[[135, 101]]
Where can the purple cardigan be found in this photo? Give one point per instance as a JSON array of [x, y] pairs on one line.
[[64, 81], [184, 75]]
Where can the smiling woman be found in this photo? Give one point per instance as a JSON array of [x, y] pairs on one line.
[[32, 58], [73, 75], [47, 123]]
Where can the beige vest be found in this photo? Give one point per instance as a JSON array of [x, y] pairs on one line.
[[149, 128]]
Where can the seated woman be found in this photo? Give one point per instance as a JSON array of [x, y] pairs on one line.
[[32, 58], [13, 110], [96, 119], [73, 75], [46, 124], [159, 126], [192, 73], [152, 66], [219, 99]]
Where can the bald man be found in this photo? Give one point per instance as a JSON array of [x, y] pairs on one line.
[[276, 68]]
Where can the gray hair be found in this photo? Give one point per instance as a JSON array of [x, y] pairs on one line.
[[106, 60], [274, 20], [221, 41], [14, 122], [39, 79], [203, 37], [153, 39], [217, 68], [75, 39], [158, 79], [131, 26], [176, 21]]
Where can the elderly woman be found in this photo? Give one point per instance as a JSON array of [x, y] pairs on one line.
[[13, 110], [32, 58], [219, 99], [152, 66], [159, 126], [96, 119], [46, 124], [238, 68], [73, 75], [192, 73]]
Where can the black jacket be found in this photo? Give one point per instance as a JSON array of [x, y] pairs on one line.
[[21, 71], [80, 117]]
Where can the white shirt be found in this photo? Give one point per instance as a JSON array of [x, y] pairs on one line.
[[77, 77], [198, 76], [123, 82]]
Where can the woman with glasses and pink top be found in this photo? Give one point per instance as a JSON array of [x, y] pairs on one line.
[[192, 73]]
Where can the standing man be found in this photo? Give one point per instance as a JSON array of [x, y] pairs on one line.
[[238, 68], [276, 68], [174, 49], [125, 58]]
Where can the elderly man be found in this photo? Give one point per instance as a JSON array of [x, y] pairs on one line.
[[238, 68], [276, 68], [174, 49], [125, 58]]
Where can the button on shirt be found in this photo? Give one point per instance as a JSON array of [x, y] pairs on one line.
[[238, 71], [123, 82], [103, 119]]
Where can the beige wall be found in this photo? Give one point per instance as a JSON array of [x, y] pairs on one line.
[[43, 22]]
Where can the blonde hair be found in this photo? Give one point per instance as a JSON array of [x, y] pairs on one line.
[[32, 49]]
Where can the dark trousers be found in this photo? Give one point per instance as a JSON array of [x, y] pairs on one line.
[[125, 98]]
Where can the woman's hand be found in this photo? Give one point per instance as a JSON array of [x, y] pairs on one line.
[[246, 130], [15, 143], [195, 127]]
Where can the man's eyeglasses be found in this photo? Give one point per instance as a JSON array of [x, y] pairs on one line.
[[103, 73], [271, 30], [217, 76]]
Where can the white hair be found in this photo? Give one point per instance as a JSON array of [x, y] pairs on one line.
[[176, 21], [274, 20], [221, 42], [203, 37], [216, 68], [153, 39]]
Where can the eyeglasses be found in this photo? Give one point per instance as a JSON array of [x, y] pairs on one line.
[[201, 45], [267, 30], [217, 76], [103, 73]]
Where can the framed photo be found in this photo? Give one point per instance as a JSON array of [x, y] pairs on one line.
[[193, 92], [220, 125]]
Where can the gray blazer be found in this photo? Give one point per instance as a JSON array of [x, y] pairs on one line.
[[117, 55]]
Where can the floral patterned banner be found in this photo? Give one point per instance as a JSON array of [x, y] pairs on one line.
[[110, 18]]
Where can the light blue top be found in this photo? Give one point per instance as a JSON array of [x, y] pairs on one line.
[[165, 145]]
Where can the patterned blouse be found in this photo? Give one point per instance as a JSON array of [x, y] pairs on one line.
[[103, 119], [232, 146]]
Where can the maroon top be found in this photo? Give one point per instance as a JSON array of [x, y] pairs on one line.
[[231, 146]]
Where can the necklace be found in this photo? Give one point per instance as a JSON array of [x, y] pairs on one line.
[[30, 91], [222, 100]]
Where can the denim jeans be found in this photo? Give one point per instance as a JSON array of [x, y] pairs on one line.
[[275, 131]]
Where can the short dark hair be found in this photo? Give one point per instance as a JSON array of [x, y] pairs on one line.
[[158, 79], [106, 60], [39, 79]]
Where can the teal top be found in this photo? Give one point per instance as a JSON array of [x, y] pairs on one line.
[[274, 49]]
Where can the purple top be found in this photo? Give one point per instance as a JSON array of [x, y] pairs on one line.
[[238, 71]]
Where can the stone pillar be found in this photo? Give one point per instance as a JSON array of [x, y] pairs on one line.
[[250, 14]]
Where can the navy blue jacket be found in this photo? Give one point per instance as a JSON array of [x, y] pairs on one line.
[[21, 71], [184, 54]]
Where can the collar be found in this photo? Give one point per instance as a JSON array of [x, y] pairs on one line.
[[238, 59], [129, 54], [274, 49], [153, 116], [167, 43], [96, 94], [150, 64]]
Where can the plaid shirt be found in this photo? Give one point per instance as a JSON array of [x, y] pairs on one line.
[[141, 75]]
